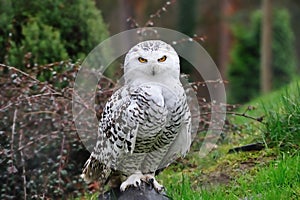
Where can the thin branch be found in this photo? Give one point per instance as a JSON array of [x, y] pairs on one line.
[[40, 112], [203, 83], [28, 98], [6, 106], [258, 119], [27, 75], [53, 91], [23, 166], [13, 132], [20, 148], [82, 102], [61, 161], [191, 39], [158, 13], [79, 114], [31, 143], [133, 23]]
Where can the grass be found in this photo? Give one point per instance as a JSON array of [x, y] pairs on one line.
[[273, 173], [88, 196], [283, 124], [280, 180], [281, 116]]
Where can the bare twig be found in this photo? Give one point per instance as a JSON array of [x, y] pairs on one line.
[[203, 83], [6, 106], [41, 112], [133, 23], [60, 167], [53, 91], [31, 143], [258, 119], [23, 165], [20, 148], [82, 102], [191, 39], [29, 98], [244, 114], [27, 75], [158, 13], [13, 132]]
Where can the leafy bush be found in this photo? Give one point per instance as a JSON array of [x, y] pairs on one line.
[[41, 44], [244, 68], [67, 29]]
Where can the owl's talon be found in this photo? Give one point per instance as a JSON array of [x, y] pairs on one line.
[[137, 183], [134, 179], [151, 180]]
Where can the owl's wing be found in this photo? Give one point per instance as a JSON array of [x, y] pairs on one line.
[[182, 142], [118, 125], [116, 135]]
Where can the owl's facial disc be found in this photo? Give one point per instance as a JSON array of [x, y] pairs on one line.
[[151, 62], [151, 59]]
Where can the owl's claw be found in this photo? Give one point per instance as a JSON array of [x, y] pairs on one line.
[[151, 180], [135, 180]]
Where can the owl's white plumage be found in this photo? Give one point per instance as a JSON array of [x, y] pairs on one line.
[[146, 124]]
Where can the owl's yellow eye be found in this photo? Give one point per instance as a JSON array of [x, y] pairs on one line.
[[162, 59], [142, 60]]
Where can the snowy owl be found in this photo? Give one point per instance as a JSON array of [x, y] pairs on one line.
[[146, 124]]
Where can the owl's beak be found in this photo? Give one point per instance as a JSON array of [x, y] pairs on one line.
[[154, 70]]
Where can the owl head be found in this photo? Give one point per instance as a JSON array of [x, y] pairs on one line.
[[151, 60]]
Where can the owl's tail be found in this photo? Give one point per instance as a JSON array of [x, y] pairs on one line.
[[95, 171]]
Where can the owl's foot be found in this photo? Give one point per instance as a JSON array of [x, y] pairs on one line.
[[136, 178], [149, 178]]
